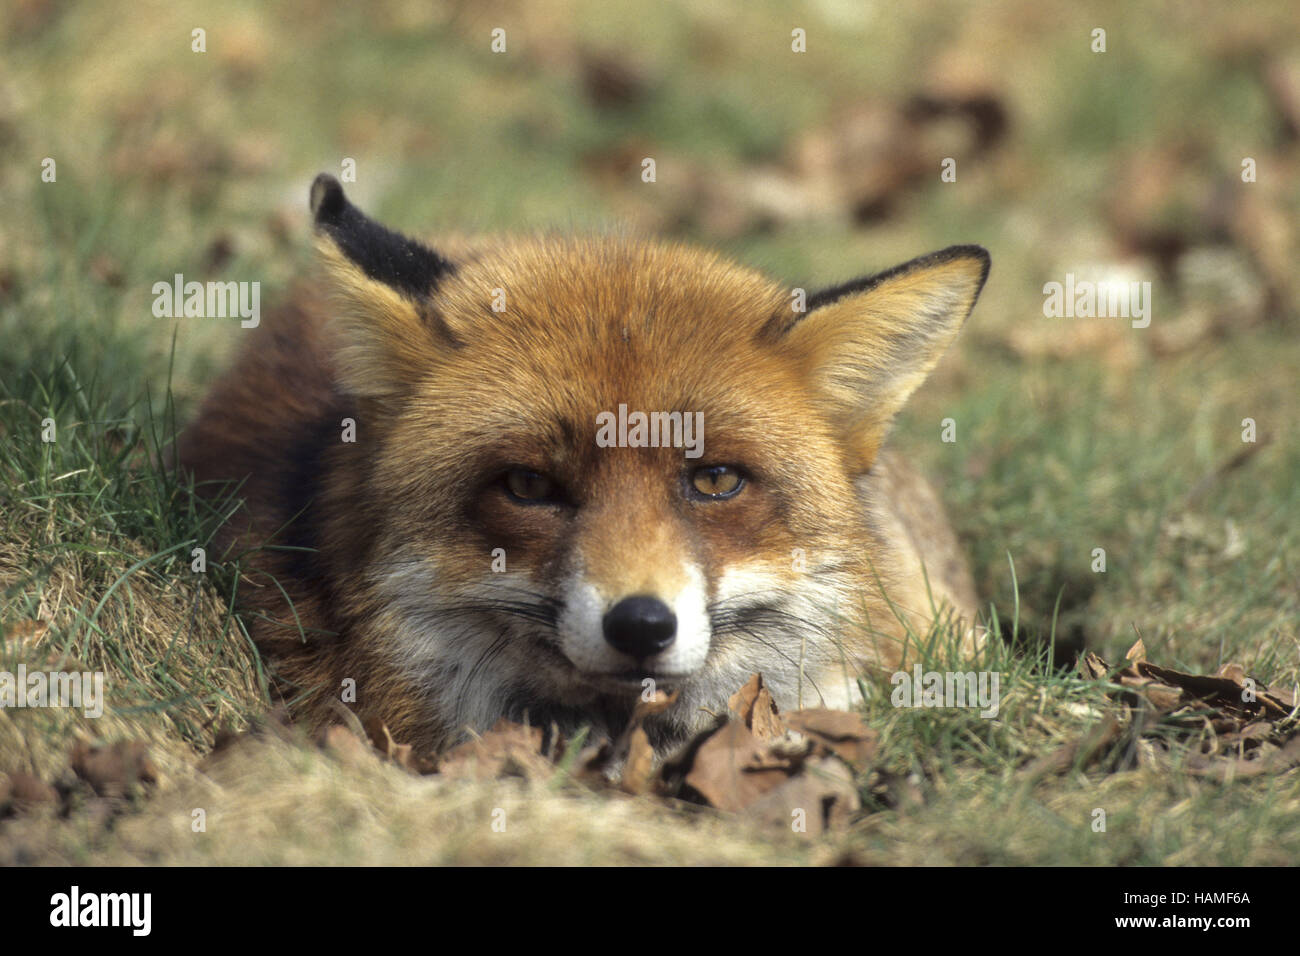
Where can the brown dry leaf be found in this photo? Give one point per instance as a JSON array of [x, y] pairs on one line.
[[603, 761], [822, 797], [742, 701], [638, 772], [839, 732], [386, 744], [1138, 652], [733, 768], [1271, 760], [610, 81], [1161, 200], [1254, 733], [756, 708], [755, 761], [115, 770], [657, 704], [899, 790], [1164, 697], [345, 745], [508, 749], [1093, 667], [25, 791], [629, 760], [857, 166], [1233, 672], [865, 157], [274, 724], [1225, 693], [1227, 690], [1243, 724]]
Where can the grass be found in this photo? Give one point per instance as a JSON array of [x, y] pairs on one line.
[[99, 537], [170, 161]]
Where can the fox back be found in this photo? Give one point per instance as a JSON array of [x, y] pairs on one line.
[[523, 478]]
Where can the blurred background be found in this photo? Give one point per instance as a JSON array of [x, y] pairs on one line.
[[817, 166]]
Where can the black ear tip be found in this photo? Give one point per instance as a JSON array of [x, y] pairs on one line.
[[986, 261], [327, 199], [977, 253]]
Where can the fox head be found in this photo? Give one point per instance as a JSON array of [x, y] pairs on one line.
[[589, 464]]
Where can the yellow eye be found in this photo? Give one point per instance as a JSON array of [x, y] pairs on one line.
[[717, 481], [526, 485]]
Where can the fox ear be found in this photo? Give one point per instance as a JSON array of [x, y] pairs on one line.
[[866, 345], [381, 285]]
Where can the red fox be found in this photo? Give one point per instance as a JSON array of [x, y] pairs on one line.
[[530, 478]]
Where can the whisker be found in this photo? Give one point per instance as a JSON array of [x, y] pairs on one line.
[[468, 685]]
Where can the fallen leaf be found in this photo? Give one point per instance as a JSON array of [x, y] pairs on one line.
[[24, 791], [732, 768], [508, 749], [657, 704], [822, 797], [1222, 691], [839, 732], [1243, 724], [757, 710], [341, 742], [382, 738], [610, 81], [114, 770], [638, 771], [1275, 761], [613, 760], [1233, 672]]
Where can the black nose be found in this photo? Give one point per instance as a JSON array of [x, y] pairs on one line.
[[640, 626]]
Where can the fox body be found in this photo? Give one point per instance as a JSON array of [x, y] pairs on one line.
[[452, 498]]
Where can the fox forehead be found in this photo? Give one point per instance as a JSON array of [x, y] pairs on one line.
[[612, 293], [553, 332]]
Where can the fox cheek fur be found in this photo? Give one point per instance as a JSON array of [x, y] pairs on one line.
[[470, 551]]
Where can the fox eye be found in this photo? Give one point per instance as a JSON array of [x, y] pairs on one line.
[[717, 481], [531, 486]]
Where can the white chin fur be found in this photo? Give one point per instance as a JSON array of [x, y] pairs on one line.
[[582, 636], [803, 665]]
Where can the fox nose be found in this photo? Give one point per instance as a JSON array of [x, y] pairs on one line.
[[640, 626]]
